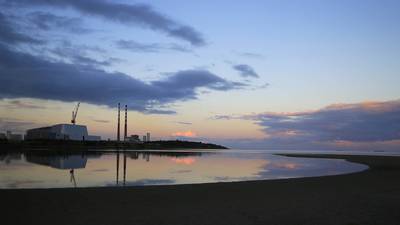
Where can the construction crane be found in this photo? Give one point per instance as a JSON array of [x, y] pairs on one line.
[[74, 113]]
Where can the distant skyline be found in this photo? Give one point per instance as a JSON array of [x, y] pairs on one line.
[[260, 74]]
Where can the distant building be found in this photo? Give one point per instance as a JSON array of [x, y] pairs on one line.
[[133, 138], [12, 137], [144, 138], [3, 136], [148, 137], [61, 132]]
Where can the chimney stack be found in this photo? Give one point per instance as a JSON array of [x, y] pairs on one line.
[[118, 129], [126, 122]]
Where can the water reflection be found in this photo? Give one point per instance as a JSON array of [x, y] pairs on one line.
[[59, 161], [43, 169], [69, 162], [178, 157], [8, 157]]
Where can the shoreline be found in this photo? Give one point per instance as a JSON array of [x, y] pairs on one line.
[[76, 146], [367, 197]]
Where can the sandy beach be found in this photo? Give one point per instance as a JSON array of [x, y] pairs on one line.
[[368, 197]]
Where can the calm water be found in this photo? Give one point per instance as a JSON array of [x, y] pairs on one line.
[[47, 170]]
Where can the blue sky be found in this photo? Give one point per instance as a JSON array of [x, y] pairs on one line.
[[194, 62]]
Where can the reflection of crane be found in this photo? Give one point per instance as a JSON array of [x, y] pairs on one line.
[[74, 113], [72, 180]]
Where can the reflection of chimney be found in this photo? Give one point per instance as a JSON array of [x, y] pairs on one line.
[[126, 122], [124, 180], [118, 129], [117, 167]]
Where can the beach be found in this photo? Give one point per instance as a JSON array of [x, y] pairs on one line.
[[368, 197]]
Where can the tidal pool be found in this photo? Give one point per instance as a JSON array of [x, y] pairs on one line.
[[46, 169]]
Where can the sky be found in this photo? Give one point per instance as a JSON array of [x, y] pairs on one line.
[[307, 74]]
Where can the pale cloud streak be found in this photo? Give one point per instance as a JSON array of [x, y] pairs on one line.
[[186, 134]]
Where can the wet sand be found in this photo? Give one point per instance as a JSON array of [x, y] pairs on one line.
[[368, 197]]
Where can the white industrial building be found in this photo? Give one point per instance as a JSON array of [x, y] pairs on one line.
[[61, 132]]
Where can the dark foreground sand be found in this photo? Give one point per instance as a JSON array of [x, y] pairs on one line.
[[370, 197]]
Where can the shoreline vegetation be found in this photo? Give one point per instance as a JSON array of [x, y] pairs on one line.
[[103, 145], [368, 197]]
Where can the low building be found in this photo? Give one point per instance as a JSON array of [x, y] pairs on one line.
[[11, 137], [3, 136], [61, 132], [148, 137], [133, 138]]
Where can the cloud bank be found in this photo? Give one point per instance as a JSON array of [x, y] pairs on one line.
[[25, 75], [48, 21], [128, 14], [336, 126], [149, 48], [245, 70], [9, 35]]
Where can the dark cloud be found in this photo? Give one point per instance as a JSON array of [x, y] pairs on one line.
[[81, 54], [250, 55], [25, 75], [160, 111], [149, 48], [245, 70], [128, 14], [265, 85], [48, 21], [84, 60], [183, 123], [342, 125], [9, 35], [182, 171], [182, 83], [224, 117], [347, 122]]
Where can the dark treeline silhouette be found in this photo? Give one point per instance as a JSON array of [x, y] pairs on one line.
[[68, 145], [45, 156]]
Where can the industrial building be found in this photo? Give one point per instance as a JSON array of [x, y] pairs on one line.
[[10, 136], [148, 137], [133, 138], [61, 132]]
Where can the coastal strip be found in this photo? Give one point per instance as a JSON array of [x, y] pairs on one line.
[[368, 197]]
